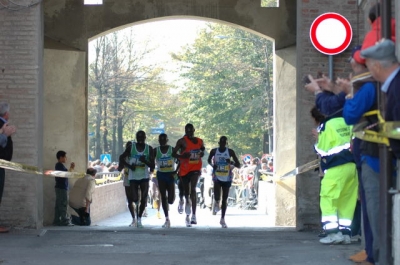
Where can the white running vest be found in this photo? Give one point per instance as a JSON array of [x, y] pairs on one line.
[[223, 171]]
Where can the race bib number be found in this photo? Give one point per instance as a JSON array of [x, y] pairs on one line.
[[166, 165], [222, 170], [194, 156]]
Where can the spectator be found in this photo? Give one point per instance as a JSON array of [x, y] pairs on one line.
[[81, 198], [270, 166], [373, 36], [96, 165], [6, 149], [327, 102], [382, 63], [61, 216], [5, 132], [366, 154]]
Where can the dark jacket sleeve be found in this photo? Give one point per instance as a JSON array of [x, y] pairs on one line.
[[329, 103]]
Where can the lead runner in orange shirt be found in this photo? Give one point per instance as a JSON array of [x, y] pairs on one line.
[[189, 150]]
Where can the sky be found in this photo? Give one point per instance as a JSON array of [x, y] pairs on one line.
[[168, 36]]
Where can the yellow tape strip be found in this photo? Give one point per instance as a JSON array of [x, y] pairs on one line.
[[35, 170], [301, 169], [372, 136], [391, 129]]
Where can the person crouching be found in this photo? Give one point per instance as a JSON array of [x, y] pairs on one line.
[[80, 197]]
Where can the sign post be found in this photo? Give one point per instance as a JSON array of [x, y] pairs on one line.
[[331, 34]]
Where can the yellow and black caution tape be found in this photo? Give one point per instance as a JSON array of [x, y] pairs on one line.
[[391, 129], [386, 129], [301, 169], [372, 136], [35, 170]]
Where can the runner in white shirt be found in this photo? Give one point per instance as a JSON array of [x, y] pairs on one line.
[[220, 160]]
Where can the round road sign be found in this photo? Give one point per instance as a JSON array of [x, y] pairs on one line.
[[331, 33]]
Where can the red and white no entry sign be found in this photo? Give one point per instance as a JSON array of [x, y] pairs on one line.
[[331, 33]]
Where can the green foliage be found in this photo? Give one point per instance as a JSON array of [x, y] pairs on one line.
[[269, 3], [226, 88]]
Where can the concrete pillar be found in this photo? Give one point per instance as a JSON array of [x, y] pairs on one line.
[[65, 114], [285, 134]]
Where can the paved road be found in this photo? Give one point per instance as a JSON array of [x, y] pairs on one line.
[[235, 218], [113, 242]]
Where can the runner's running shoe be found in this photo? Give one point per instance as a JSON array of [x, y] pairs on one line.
[[180, 206], [222, 223], [187, 221], [133, 224], [167, 224], [193, 221], [139, 224]]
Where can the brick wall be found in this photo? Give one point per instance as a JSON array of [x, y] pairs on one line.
[[21, 86], [108, 200], [309, 60]]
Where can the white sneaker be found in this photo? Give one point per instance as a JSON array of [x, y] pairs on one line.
[[167, 224], [193, 221], [139, 224], [133, 224], [332, 238], [222, 223], [187, 221], [216, 207], [180, 206], [346, 240], [188, 207]]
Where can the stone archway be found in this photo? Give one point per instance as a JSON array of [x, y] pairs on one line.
[[44, 77], [86, 22]]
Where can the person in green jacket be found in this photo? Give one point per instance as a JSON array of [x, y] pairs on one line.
[[339, 186]]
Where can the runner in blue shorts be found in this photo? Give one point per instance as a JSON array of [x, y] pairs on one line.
[[166, 172]]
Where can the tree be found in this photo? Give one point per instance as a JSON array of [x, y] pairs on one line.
[[226, 86], [124, 89]]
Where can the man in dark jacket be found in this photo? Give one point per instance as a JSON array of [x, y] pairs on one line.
[[362, 98], [382, 63], [6, 152]]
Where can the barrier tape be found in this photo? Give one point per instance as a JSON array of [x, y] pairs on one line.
[[37, 171], [391, 129], [301, 169], [372, 136]]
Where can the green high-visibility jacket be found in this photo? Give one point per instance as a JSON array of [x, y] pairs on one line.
[[334, 143]]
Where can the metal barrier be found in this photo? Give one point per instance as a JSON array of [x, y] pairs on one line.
[[108, 177]]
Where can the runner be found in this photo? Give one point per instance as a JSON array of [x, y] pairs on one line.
[[165, 175], [141, 164], [191, 150], [124, 167], [220, 160]]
